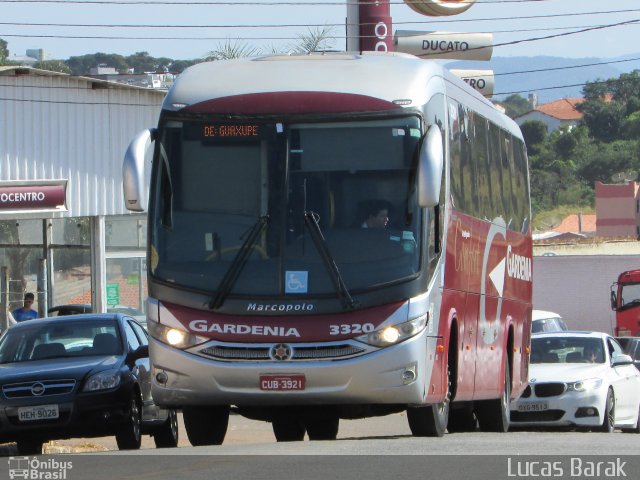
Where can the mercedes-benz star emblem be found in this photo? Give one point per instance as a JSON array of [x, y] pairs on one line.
[[37, 389], [281, 352]]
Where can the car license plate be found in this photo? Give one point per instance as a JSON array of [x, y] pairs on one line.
[[282, 382], [533, 407], [42, 412]]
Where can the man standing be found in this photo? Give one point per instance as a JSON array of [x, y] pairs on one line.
[[26, 312]]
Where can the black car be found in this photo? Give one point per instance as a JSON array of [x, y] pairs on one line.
[[631, 346], [79, 376]]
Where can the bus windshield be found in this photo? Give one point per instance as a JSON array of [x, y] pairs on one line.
[[279, 209]]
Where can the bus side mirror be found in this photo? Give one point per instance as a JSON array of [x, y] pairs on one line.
[[430, 165], [614, 300], [133, 171]]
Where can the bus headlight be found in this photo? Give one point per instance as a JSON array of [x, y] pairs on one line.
[[176, 337], [393, 334]]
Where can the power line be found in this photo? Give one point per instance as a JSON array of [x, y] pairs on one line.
[[535, 39], [566, 67], [527, 17], [241, 3]]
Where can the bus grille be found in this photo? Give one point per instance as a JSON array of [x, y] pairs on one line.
[[329, 352], [33, 389]]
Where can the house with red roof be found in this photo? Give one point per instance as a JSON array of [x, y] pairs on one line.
[[561, 113]]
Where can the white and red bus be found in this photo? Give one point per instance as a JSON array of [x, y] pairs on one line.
[[267, 295]]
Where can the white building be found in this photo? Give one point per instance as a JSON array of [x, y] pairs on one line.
[[62, 142]]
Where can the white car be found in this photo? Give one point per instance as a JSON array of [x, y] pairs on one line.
[[579, 379], [543, 321]]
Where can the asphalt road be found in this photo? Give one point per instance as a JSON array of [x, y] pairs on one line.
[[369, 449]]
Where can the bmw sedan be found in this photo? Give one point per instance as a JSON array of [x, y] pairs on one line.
[[79, 376], [579, 379]]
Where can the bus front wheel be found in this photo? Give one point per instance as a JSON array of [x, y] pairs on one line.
[[206, 425], [431, 420]]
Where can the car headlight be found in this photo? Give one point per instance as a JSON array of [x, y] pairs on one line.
[[102, 381], [393, 334], [584, 385], [176, 337]]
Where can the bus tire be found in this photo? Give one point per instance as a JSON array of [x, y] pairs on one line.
[[206, 425], [431, 420], [462, 419], [29, 447], [494, 415], [288, 429], [322, 428]]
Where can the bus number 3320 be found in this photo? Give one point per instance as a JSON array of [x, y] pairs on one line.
[[347, 329]]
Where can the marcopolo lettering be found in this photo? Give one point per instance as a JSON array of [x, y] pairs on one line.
[[279, 307], [203, 326], [445, 46]]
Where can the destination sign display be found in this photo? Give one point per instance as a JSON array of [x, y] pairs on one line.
[[214, 131], [226, 131]]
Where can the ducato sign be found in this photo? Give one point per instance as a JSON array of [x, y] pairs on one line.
[[439, 8]]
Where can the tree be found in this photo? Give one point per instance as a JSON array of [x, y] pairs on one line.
[[534, 133], [142, 62], [315, 40], [53, 66], [515, 105], [4, 52], [81, 65], [177, 66], [230, 50]]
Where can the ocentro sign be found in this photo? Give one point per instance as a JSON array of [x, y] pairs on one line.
[[33, 196], [439, 8]]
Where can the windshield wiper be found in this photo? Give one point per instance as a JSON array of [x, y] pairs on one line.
[[238, 263], [311, 221]]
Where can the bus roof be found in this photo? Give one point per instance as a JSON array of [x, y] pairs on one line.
[[398, 79]]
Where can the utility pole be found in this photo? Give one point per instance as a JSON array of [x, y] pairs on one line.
[[369, 26]]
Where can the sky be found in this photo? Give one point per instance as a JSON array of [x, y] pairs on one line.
[[189, 29]]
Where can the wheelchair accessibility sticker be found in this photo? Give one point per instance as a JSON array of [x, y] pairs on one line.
[[296, 281]]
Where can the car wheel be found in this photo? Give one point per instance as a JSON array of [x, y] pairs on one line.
[[494, 415], [609, 421], [206, 425], [166, 436], [635, 429], [129, 436], [287, 429], [322, 428], [29, 447]]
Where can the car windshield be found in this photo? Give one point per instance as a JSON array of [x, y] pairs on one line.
[[554, 324], [233, 206], [567, 350], [59, 340]]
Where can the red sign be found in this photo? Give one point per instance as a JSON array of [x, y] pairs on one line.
[[33, 197]]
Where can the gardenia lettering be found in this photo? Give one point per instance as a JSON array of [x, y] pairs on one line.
[[518, 266], [203, 326], [22, 197]]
